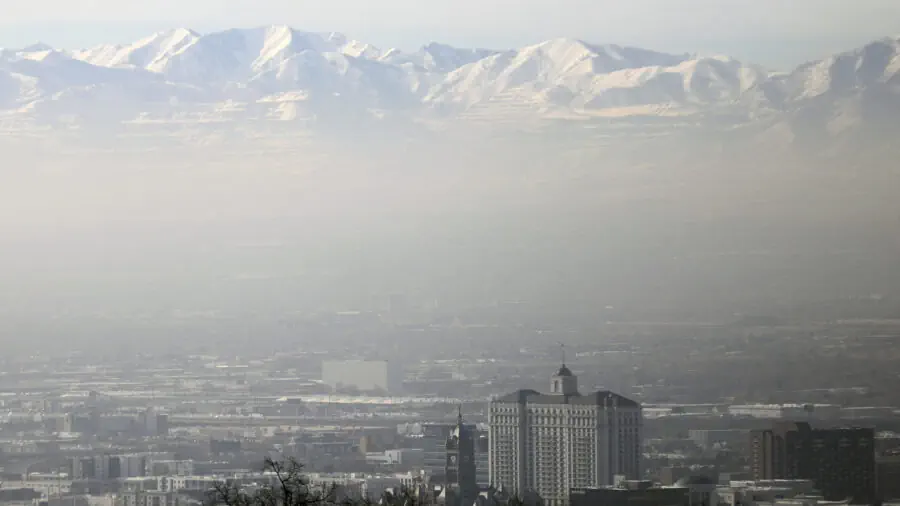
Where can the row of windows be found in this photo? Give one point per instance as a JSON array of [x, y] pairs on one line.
[[556, 419], [504, 407], [564, 431]]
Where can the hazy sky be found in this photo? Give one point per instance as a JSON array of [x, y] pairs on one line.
[[769, 31]]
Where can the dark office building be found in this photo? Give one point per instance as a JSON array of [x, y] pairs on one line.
[[888, 471], [668, 476], [641, 495], [433, 442], [841, 462], [459, 470]]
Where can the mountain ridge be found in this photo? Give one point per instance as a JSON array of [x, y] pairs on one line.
[[259, 73]]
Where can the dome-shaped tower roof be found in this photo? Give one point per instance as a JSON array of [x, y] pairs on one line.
[[564, 371]]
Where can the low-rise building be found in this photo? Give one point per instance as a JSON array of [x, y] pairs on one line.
[[155, 498], [759, 492], [707, 438], [786, 411]]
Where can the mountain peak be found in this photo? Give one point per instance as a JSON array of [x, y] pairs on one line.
[[279, 30], [37, 47], [177, 32]]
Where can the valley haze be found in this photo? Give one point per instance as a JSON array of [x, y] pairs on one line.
[[269, 172]]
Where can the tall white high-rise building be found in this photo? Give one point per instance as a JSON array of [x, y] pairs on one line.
[[552, 443]]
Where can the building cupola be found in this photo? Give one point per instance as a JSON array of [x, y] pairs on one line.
[[563, 382]]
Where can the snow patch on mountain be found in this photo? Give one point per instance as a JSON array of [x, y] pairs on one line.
[[17, 89], [572, 73], [238, 55], [143, 53], [343, 44], [54, 71], [875, 64], [435, 57]]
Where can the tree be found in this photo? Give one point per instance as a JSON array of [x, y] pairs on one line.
[[289, 487]]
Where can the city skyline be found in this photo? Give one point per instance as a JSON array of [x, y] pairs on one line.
[[450, 253]]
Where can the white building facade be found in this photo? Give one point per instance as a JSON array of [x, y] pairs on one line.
[[363, 375], [786, 411], [552, 443]]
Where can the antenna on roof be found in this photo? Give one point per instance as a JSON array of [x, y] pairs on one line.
[[459, 413], [562, 354]]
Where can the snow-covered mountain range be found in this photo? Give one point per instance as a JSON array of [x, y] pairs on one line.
[[281, 74]]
